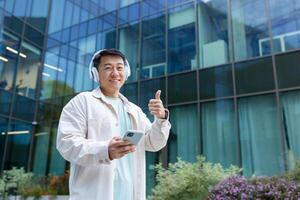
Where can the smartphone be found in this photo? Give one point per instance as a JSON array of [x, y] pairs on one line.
[[133, 136]]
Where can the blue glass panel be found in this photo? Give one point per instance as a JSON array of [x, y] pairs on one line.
[[109, 21], [20, 8], [260, 138], [172, 2], [130, 92], [34, 36], [219, 133], [181, 40], [129, 14], [23, 108], [216, 82], [110, 5], [148, 89], [83, 29], [92, 26], [254, 76], [150, 7], [250, 28], [285, 22], [9, 5], [129, 45], [3, 130], [290, 107], [182, 88], [184, 122], [27, 72], [18, 145], [38, 15], [5, 102], [56, 16], [213, 32], [288, 70], [153, 46], [40, 149], [56, 162], [68, 14]]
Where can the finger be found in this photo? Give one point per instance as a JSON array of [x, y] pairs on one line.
[[155, 106], [155, 101], [116, 138], [157, 94]]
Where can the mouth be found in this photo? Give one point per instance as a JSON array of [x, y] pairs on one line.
[[114, 80]]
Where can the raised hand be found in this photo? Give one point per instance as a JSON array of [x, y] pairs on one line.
[[156, 106]]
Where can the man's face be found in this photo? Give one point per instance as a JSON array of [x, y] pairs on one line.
[[111, 74]]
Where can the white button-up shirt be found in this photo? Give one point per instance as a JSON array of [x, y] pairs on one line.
[[86, 126]]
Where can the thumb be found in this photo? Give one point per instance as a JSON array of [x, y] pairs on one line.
[[157, 94]]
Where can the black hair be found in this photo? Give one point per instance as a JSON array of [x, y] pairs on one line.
[[107, 52]]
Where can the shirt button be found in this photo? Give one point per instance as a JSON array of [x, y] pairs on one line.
[[117, 124]]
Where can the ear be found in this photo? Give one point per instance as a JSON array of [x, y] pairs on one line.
[[95, 74]]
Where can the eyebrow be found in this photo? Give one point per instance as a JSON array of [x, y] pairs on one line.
[[112, 64]]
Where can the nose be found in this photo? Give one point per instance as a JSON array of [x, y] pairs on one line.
[[114, 71]]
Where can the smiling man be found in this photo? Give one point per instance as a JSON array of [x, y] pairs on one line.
[[90, 131]]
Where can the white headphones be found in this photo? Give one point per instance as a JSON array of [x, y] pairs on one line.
[[94, 72]]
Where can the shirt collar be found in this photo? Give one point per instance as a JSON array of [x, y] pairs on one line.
[[98, 94]]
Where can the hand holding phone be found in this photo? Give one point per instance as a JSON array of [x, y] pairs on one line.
[[133, 136]]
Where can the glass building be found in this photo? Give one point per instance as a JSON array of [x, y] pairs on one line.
[[229, 71]]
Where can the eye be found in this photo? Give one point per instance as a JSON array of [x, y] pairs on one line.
[[107, 68], [120, 68]]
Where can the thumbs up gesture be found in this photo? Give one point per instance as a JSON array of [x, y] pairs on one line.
[[156, 106]]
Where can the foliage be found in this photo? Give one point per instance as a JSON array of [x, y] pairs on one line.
[[238, 187], [60, 184], [294, 175], [17, 181], [183, 180]]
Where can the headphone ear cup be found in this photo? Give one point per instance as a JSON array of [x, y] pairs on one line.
[[95, 74]]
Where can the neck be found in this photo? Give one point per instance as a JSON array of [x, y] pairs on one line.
[[110, 93]]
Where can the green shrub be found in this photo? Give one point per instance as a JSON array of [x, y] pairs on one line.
[[183, 180], [294, 174]]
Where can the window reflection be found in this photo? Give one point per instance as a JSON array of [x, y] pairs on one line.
[[29, 62], [150, 7], [182, 88], [285, 25], [213, 32], [148, 90], [181, 40], [128, 44], [220, 140], [9, 52], [40, 149], [153, 46], [3, 131], [18, 143], [260, 132], [184, 123], [249, 24]]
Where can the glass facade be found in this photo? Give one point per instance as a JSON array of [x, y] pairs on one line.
[[228, 71]]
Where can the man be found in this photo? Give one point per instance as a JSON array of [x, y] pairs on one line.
[[91, 126]]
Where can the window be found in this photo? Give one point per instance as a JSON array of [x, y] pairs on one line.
[[254, 76], [213, 32], [249, 26], [260, 136], [153, 46], [219, 133], [184, 141], [181, 39]]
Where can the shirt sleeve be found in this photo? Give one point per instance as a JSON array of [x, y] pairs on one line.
[[71, 137], [156, 133]]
